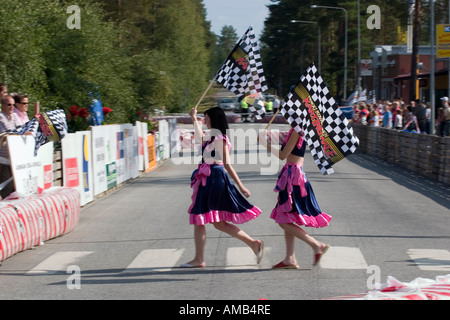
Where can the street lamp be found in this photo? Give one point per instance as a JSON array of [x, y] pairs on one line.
[[346, 42], [318, 39]]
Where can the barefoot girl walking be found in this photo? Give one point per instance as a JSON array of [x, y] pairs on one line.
[[215, 198]]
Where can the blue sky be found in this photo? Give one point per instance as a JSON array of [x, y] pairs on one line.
[[238, 13]]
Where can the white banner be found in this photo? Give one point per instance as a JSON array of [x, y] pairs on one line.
[[77, 164], [30, 173], [99, 158], [84, 146], [164, 139]]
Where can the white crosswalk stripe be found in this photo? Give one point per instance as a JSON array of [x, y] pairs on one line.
[[431, 259], [343, 258], [155, 259], [58, 262], [241, 258]]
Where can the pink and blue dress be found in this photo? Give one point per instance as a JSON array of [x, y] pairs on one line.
[[215, 198], [296, 200]]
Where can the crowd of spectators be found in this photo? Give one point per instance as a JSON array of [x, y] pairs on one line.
[[396, 114]]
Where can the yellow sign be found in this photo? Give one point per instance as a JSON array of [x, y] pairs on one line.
[[443, 40]]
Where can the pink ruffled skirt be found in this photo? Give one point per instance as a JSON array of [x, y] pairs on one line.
[[296, 200], [215, 198]]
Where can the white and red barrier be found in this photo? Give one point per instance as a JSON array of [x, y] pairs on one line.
[[418, 289], [26, 222], [10, 232]]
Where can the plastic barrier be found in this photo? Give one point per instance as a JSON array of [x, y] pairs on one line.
[[26, 222], [54, 217], [70, 198], [31, 223], [418, 289], [10, 232]]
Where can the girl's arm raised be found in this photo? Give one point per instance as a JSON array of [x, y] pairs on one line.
[[198, 131]]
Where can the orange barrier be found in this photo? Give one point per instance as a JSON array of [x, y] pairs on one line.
[[151, 152]]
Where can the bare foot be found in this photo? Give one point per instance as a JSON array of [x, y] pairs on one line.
[[193, 264]]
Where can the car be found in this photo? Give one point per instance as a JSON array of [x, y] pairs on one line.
[[227, 103]]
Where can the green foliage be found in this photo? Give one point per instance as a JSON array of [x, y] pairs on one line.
[[137, 56]]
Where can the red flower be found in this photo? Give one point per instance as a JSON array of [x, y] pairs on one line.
[[106, 110], [73, 110], [83, 113]]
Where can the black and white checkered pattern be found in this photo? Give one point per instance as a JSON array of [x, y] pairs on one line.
[[53, 118], [242, 73], [335, 125]]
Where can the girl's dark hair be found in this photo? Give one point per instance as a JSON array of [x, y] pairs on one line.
[[218, 119]]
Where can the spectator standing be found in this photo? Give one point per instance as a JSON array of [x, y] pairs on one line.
[[411, 120], [440, 122], [374, 119], [21, 108], [420, 114], [446, 120], [363, 114], [276, 104], [442, 119], [398, 120], [428, 118], [394, 108], [387, 117]]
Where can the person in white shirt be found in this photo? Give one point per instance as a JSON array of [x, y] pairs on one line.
[[398, 120]]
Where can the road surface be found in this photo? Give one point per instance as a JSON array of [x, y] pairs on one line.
[[387, 221]]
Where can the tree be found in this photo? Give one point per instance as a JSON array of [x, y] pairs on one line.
[[224, 44], [61, 67]]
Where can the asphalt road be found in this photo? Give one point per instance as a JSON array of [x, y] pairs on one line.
[[387, 221]]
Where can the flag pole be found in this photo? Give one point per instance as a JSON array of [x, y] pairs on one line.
[[271, 120], [204, 94]]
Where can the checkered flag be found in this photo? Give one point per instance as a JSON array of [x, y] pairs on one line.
[[242, 72], [313, 113], [45, 127]]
